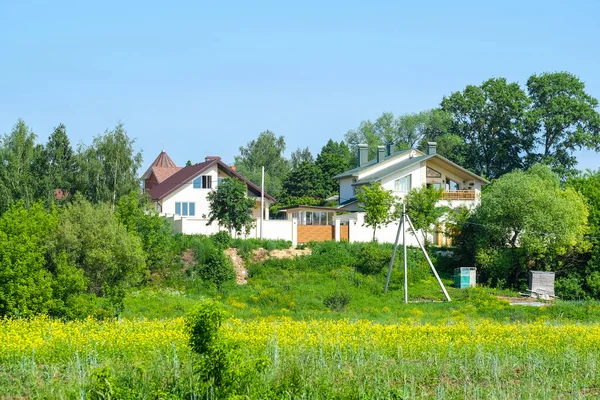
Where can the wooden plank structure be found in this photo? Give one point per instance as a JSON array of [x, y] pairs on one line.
[[541, 283]]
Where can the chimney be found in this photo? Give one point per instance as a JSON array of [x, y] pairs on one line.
[[380, 153], [363, 154], [388, 149], [233, 167], [431, 148]]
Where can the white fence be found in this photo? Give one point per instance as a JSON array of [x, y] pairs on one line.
[[273, 229], [358, 232], [288, 229]]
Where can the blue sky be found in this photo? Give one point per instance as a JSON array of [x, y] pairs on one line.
[[205, 78]]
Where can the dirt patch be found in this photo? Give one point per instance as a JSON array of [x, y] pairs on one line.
[[241, 274], [290, 253], [261, 254], [526, 301], [187, 259]]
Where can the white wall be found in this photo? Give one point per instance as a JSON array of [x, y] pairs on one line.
[[416, 180], [187, 193], [346, 189], [359, 233], [273, 229]]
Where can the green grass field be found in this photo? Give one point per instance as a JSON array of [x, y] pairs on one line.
[[375, 347]]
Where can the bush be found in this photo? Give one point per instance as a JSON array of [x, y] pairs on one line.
[[569, 288], [92, 239], [329, 255], [372, 258], [219, 362], [337, 301], [221, 240], [216, 268]]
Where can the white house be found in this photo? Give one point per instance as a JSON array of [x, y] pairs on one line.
[[180, 194], [400, 172]]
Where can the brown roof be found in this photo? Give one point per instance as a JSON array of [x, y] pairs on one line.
[[184, 175], [163, 167], [164, 161], [162, 173]]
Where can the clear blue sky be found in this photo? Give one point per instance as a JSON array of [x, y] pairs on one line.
[[205, 78]]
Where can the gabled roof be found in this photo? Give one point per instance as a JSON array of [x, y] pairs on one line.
[[162, 168], [357, 170], [186, 174], [399, 166], [392, 169], [178, 179]]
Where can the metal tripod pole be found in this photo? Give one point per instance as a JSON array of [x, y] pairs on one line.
[[428, 259], [389, 274]]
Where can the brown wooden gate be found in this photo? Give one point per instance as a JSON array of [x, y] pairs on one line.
[[315, 233]]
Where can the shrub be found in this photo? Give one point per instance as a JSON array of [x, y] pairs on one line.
[[372, 258], [221, 240], [337, 301], [92, 238], [569, 288], [216, 269], [329, 255], [220, 364]]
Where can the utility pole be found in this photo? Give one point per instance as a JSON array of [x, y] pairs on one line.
[[262, 201]]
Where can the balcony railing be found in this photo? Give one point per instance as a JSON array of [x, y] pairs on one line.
[[459, 195]]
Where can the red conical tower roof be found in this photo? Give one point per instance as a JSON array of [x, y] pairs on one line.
[[162, 168], [164, 161]]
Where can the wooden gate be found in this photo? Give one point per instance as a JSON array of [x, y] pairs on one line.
[[315, 233]]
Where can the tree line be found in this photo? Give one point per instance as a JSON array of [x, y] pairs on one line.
[[75, 232]]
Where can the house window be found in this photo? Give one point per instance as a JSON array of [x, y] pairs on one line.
[[451, 185], [403, 184], [219, 180], [185, 209], [436, 186], [203, 182]]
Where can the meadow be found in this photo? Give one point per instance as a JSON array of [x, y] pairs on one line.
[[325, 359], [299, 346]]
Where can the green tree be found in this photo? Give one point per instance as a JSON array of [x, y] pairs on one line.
[[421, 206], [371, 133], [139, 216], [109, 168], [92, 239], [333, 159], [299, 156], [18, 154], [305, 180], [380, 206], [56, 166], [404, 132], [563, 118], [266, 151], [490, 119], [588, 274], [588, 184], [526, 221], [25, 282], [231, 207]]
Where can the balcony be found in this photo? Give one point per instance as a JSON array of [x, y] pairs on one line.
[[459, 195]]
